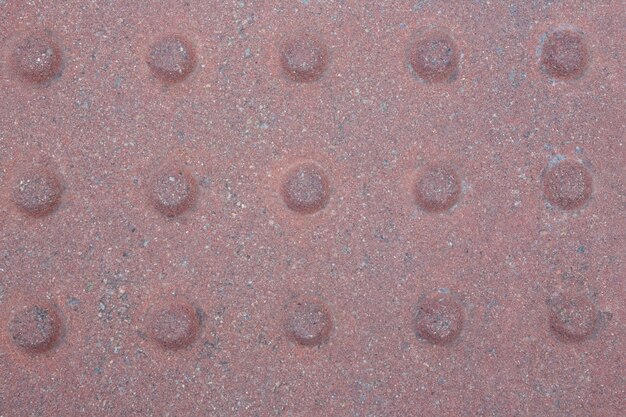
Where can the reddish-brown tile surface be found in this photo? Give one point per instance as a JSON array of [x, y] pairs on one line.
[[302, 208]]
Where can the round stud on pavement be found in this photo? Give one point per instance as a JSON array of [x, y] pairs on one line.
[[437, 188], [304, 57], [564, 54], [37, 192], [171, 58], [305, 188], [439, 319], [433, 56], [572, 317], [173, 324], [309, 321], [35, 329], [173, 191], [567, 185], [37, 58]]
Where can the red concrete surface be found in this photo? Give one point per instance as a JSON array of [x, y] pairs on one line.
[[312, 208]]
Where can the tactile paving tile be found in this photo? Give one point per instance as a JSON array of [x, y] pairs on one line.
[[312, 208]]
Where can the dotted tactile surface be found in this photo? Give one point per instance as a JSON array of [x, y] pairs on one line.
[[346, 208]]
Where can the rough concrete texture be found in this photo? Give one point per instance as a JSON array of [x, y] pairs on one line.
[[303, 208]]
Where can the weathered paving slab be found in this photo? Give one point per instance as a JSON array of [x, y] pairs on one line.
[[303, 208]]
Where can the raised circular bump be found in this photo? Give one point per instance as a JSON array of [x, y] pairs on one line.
[[37, 58], [172, 58], [174, 324], [572, 317], [36, 328], [173, 191], [439, 319], [568, 185], [305, 188], [304, 57], [565, 54], [309, 321], [434, 56], [437, 188], [37, 191]]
